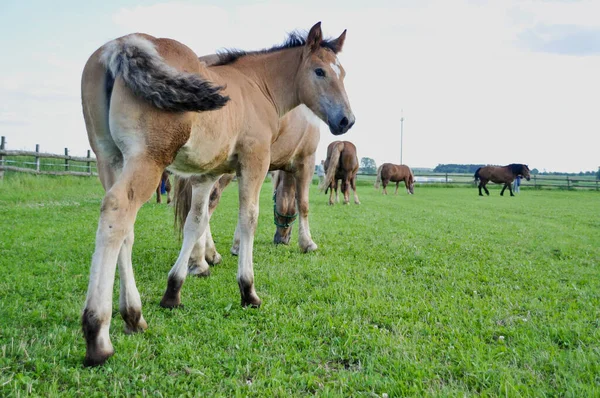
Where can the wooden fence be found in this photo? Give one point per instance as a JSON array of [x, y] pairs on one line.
[[31, 162], [536, 182]]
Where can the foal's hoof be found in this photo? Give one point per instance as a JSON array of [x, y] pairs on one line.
[[96, 357], [311, 247], [138, 328], [235, 250], [215, 260], [251, 301], [199, 272], [171, 298]]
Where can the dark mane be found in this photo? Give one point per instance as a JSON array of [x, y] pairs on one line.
[[294, 39]]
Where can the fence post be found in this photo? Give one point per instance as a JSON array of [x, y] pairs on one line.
[[37, 158], [66, 160], [568, 183], [2, 145], [89, 164], [446, 178]]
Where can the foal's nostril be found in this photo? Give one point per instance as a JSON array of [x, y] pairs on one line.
[[344, 122]]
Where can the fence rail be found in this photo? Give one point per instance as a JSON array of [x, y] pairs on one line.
[[30, 162], [87, 167], [537, 181]]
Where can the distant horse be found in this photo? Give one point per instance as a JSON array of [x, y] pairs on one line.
[[501, 175], [341, 164], [164, 187], [150, 104], [292, 159], [395, 173]]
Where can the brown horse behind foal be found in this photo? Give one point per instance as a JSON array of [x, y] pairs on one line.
[[341, 164], [395, 173], [501, 175], [150, 104], [293, 156]]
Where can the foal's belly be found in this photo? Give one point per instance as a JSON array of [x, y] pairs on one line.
[[205, 154]]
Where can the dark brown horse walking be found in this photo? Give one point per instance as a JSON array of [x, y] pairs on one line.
[[164, 187], [395, 173], [341, 164], [501, 175]]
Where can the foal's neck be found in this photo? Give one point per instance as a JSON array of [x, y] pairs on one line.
[[275, 75]]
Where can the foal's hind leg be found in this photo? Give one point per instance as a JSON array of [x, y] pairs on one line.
[[303, 177], [195, 225], [117, 216]]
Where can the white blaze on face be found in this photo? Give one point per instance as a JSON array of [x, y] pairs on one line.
[[336, 67]]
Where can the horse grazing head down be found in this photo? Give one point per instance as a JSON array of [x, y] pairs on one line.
[[320, 80]]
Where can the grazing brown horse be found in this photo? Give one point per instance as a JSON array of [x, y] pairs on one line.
[[293, 155], [150, 104], [164, 186], [501, 175], [342, 164], [395, 173]]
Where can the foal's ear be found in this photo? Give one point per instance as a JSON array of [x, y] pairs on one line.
[[315, 37], [338, 43]]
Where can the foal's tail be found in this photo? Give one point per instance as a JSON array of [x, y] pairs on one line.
[[145, 72], [334, 159], [378, 181], [183, 201], [477, 174]]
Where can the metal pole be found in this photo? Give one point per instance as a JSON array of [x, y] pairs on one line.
[[401, 133]]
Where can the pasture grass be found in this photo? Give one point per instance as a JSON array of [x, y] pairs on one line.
[[443, 293]]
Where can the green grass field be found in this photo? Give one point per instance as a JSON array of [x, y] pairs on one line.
[[443, 293]]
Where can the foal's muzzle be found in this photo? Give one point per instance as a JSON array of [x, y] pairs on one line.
[[341, 124]]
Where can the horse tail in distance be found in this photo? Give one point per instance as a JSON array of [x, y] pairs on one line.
[[183, 201], [378, 177], [333, 165], [145, 72], [477, 174]]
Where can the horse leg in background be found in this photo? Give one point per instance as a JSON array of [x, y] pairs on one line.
[[335, 186], [168, 188], [353, 185], [194, 228], [503, 188], [487, 192], [384, 182], [397, 184], [197, 264], [158, 199], [250, 181], [331, 189], [303, 177], [346, 190], [117, 216], [509, 185]]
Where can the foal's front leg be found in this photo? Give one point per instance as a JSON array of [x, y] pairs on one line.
[[195, 225], [250, 181]]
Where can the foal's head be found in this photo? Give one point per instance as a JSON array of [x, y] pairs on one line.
[[320, 80]]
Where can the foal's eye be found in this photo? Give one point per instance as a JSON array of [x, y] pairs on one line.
[[320, 72]]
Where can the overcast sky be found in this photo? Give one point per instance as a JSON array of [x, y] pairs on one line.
[[498, 81]]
